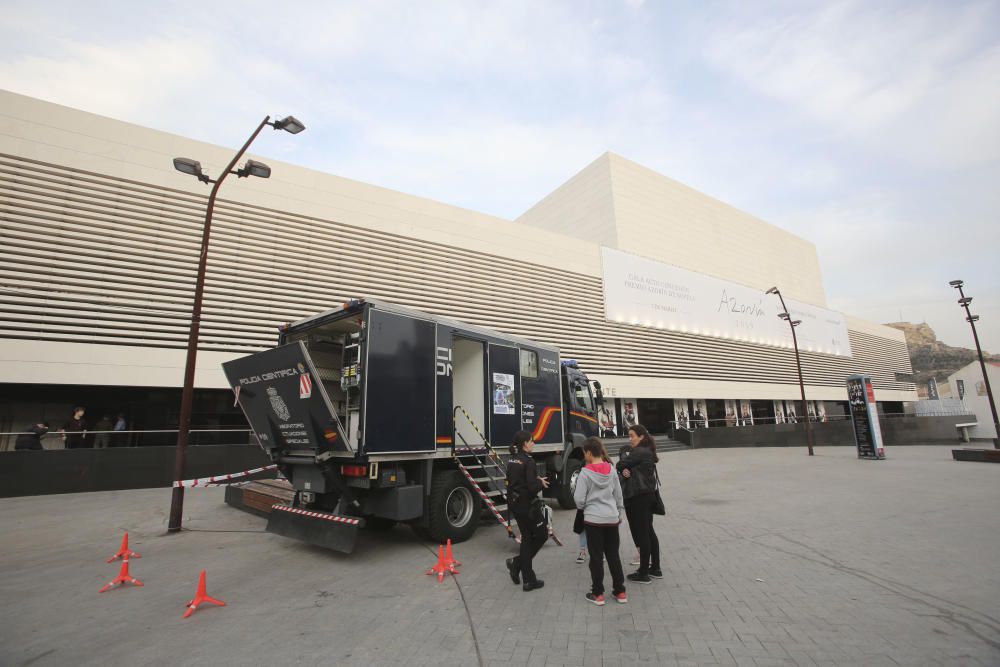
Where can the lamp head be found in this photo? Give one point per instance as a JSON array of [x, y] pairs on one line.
[[773, 290], [956, 283], [965, 301], [972, 318], [254, 168], [289, 124], [784, 316], [189, 166], [796, 323]]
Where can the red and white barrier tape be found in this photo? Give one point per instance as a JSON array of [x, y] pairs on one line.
[[317, 515], [221, 480]]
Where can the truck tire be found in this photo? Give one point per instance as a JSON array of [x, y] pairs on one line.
[[453, 508], [567, 484]]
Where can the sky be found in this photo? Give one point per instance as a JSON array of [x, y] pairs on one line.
[[871, 129]]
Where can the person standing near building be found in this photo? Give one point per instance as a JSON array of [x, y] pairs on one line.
[[74, 431], [31, 439], [103, 436], [119, 436], [598, 494], [637, 467], [523, 485]]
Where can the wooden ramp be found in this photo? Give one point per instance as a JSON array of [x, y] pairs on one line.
[[258, 497]]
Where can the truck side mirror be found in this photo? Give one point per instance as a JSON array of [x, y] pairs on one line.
[[598, 392]]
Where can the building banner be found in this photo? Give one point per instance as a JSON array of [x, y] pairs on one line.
[[960, 386], [746, 414], [820, 411], [630, 414], [700, 416], [932, 390], [681, 417], [732, 413], [609, 425], [648, 293], [867, 430], [779, 412], [791, 412]]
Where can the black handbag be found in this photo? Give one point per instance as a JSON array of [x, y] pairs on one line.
[[658, 506], [578, 522]]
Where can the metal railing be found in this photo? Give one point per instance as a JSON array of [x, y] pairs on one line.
[[162, 437]]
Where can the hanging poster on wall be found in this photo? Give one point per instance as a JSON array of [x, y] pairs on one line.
[[732, 413], [746, 414], [864, 415], [700, 416], [820, 411], [609, 425], [681, 417], [779, 412], [791, 412], [630, 414], [503, 394]]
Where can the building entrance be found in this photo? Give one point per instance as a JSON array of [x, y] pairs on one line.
[[656, 414]]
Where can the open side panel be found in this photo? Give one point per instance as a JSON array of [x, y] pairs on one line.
[[399, 402], [285, 402], [469, 378]]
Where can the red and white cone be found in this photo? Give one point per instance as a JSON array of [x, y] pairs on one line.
[[201, 597], [440, 568], [449, 559], [124, 553], [122, 578]]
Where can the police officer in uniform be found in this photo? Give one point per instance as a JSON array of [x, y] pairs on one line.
[[523, 485]]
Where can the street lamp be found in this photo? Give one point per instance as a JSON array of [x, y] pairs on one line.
[[251, 168], [798, 364], [972, 319]]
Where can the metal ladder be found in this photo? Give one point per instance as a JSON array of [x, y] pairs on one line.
[[484, 469]]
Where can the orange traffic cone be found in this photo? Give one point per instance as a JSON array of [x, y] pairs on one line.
[[440, 568], [124, 553], [201, 596], [123, 577], [449, 559]]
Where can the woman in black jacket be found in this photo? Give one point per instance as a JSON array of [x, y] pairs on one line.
[[637, 467], [523, 484]]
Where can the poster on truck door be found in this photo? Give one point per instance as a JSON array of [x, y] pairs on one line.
[[864, 415], [503, 394]]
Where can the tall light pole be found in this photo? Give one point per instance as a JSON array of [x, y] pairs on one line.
[[798, 364], [188, 166], [964, 302]]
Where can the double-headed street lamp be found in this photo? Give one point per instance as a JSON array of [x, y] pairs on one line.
[[964, 302], [188, 166], [798, 364]]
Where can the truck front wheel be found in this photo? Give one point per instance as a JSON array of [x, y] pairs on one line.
[[453, 507], [567, 483]]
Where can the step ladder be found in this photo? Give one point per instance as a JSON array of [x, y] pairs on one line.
[[484, 469]]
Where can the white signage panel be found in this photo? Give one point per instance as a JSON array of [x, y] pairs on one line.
[[644, 292]]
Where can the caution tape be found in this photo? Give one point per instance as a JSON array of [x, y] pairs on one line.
[[221, 480]]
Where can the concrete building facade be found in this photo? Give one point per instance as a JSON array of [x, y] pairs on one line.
[[100, 238]]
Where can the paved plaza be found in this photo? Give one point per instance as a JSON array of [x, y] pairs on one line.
[[770, 558]]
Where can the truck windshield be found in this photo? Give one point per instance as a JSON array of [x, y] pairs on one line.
[[583, 397]]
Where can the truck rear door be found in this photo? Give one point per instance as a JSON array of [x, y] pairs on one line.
[[285, 403], [505, 394]]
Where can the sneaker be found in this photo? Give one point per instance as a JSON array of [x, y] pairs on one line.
[[656, 573], [621, 598], [582, 556], [639, 578], [514, 570], [596, 599]]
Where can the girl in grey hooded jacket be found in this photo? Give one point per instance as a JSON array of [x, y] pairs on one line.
[[599, 494]]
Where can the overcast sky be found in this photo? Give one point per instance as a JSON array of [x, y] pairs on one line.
[[869, 128]]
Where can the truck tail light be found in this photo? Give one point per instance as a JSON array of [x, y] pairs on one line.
[[354, 470]]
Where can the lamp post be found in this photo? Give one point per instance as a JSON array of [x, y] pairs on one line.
[[798, 364], [188, 166], [964, 302]]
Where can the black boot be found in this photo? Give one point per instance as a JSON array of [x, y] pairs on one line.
[[537, 583], [515, 570]]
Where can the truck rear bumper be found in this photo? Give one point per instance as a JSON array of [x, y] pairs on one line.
[[324, 529]]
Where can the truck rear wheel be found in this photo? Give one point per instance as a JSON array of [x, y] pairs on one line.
[[567, 483], [453, 507]]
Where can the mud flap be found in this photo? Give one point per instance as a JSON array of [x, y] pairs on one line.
[[324, 529]]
